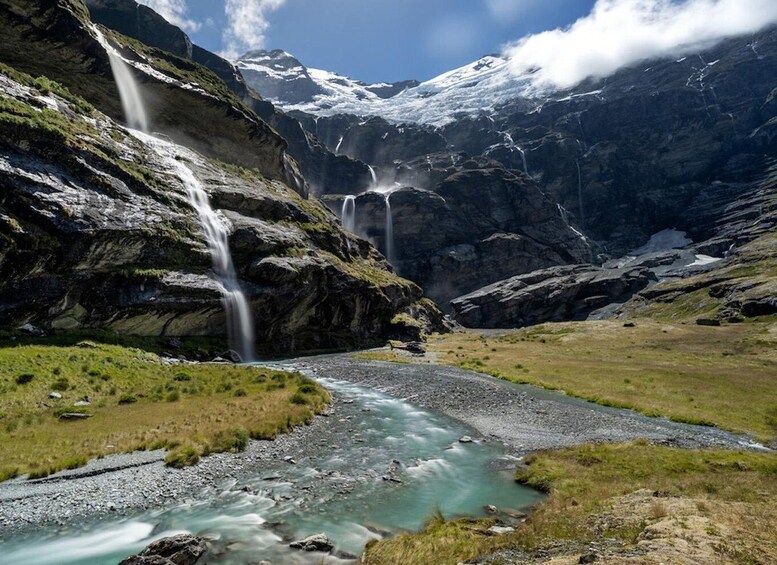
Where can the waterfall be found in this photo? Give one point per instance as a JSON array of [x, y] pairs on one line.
[[523, 158], [373, 175], [348, 214], [389, 230], [129, 93], [240, 325], [339, 143], [580, 192]]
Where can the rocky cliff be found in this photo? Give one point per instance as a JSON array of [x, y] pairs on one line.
[[97, 231]]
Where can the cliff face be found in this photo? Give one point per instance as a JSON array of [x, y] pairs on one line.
[[97, 230]]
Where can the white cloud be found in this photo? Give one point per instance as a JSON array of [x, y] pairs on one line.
[[246, 25], [174, 11], [618, 33]]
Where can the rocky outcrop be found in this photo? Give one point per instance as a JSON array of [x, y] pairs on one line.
[[550, 295], [183, 549], [98, 223], [475, 227]]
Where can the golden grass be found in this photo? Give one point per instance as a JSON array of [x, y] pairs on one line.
[[726, 376], [585, 483], [136, 402]]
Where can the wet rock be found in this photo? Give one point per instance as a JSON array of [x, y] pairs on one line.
[[500, 530], [182, 549], [316, 542], [465, 439], [290, 460], [231, 356]]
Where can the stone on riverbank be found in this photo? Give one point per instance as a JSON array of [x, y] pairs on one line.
[[183, 549], [316, 542]]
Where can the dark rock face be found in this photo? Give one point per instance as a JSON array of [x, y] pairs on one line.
[[550, 295], [474, 228], [182, 549]]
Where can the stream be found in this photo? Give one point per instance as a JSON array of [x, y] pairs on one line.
[[379, 466]]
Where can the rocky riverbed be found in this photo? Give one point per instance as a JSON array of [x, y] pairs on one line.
[[339, 460]]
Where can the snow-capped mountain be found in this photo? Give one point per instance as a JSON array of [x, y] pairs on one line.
[[473, 89]]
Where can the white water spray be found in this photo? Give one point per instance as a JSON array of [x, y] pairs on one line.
[[240, 325], [129, 93], [348, 213], [339, 143]]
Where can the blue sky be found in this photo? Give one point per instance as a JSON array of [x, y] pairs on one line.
[[382, 40]]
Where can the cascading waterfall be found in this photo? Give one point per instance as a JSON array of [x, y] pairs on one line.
[[374, 176], [348, 214], [239, 319], [339, 143], [389, 230], [129, 93]]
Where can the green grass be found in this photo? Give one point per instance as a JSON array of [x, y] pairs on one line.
[[732, 489], [725, 376], [136, 402]]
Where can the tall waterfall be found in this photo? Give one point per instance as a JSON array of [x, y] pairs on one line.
[[131, 100], [389, 230], [348, 214], [580, 192], [240, 326]]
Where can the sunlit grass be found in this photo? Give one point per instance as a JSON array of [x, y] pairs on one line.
[[136, 402]]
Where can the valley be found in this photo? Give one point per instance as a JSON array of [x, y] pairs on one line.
[[254, 312]]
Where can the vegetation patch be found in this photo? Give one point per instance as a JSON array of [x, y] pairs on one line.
[[620, 492], [723, 376], [136, 401]]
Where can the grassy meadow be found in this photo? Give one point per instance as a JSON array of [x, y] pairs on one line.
[[723, 376], [136, 401]]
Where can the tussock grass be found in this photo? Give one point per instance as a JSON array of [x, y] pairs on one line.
[[724, 376], [137, 402], [586, 482]]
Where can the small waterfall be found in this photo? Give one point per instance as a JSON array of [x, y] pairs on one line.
[[240, 326], [373, 175], [129, 93], [339, 143], [389, 230], [523, 158], [348, 214], [580, 192]]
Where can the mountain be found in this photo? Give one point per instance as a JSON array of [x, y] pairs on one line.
[[99, 227], [472, 90], [674, 143]]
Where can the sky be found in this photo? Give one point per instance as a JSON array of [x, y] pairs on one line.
[[557, 42], [373, 40]]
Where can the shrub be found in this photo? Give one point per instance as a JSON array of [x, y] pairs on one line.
[[307, 389], [127, 399], [181, 377], [299, 398], [173, 396], [182, 457], [61, 384], [230, 440], [24, 378], [240, 392]]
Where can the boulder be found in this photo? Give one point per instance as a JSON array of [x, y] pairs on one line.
[[316, 542], [183, 549]]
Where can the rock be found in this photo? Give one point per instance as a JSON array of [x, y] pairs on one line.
[[588, 558], [490, 508], [74, 416], [500, 530], [55, 395], [231, 356], [29, 329], [82, 403], [629, 325], [549, 295], [707, 322], [415, 348], [465, 439], [183, 549], [317, 542], [290, 460]]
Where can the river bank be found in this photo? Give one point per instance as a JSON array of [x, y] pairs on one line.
[[512, 419]]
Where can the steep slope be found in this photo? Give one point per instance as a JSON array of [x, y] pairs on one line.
[[321, 167], [97, 230]]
